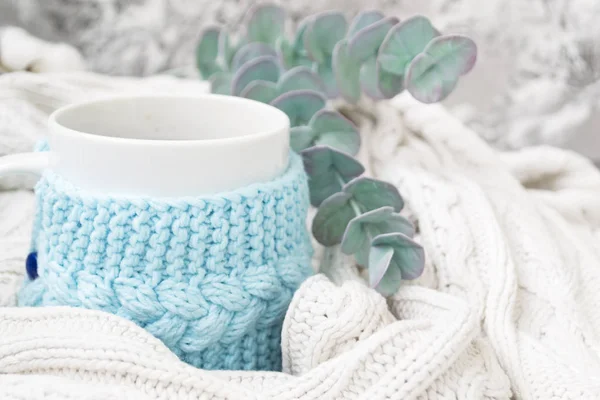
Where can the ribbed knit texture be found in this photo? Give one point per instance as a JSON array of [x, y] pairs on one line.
[[211, 277]]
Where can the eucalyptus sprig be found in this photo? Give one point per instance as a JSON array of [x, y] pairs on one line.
[[380, 56], [329, 58], [362, 214]]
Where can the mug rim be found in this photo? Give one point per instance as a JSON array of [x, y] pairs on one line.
[[55, 126]]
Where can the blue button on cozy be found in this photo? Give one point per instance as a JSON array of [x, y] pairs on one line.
[[211, 277]]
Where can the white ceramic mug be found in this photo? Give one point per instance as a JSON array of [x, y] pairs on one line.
[[162, 146]]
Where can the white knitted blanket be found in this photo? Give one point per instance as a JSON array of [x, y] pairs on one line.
[[508, 307]]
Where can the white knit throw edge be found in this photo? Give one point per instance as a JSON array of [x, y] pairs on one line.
[[508, 304]]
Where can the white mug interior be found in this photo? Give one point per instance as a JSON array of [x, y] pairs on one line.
[[168, 146]]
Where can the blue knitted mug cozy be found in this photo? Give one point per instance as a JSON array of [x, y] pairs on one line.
[[211, 276]]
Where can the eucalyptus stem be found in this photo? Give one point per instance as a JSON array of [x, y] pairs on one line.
[[358, 213], [355, 207], [353, 203], [340, 180]]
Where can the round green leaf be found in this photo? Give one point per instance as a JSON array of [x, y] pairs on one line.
[[328, 171], [390, 64], [325, 71], [226, 51], [409, 256], [208, 45], [403, 42], [427, 82], [220, 83], [298, 43], [364, 227], [456, 54], [356, 236], [300, 105], [261, 91], [331, 219], [300, 78], [346, 72], [389, 85], [266, 24], [364, 19], [207, 52], [260, 69], [290, 57], [249, 52], [322, 33], [301, 137], [362, 256], [369, 80], [433, 74], [372, 194], [393, 223], [286, 53], [334, 130], [383, 276], [208, 70], [365, 43]]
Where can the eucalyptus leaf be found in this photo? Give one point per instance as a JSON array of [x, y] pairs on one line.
[[220, 83], [298, 43], [249, 52], [300, 78], [364, 19], [260, 69], [290, 57], [322, 33], [346, 72], [300, 105], [327, 128], [301, 137], [208, 45], [331, 219], [365, 43], [372, 194], [266, 24], [383, 276], [404, 42], [207, 52], [355, 235], [389, 85], [208, 70], [369, 79], [433, 74], [328, 170], [325, 71], [409, 256], [394, 223], [286, 53], [334, 130], [262, 91], [227, 50], [428, 82], [362, 256], [366, 226], [456, 53]]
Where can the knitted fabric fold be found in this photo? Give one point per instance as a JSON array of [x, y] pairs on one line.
[[210, 276]]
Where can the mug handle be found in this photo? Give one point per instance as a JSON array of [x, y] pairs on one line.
[[24, 163]]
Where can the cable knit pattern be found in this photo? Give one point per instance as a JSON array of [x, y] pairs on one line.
[[211, 277], [507, 307]]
